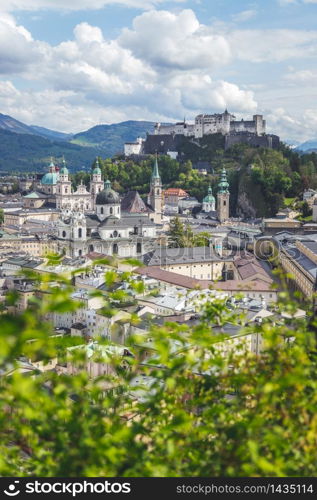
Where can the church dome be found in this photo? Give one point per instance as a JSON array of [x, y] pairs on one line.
[[96, 170], [108, 196], [50, 178], [64, 169], [209, 198]]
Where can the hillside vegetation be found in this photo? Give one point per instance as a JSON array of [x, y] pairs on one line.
[[110, 139], [30, 153], [260, 179]]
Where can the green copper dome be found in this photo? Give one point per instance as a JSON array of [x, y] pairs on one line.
[[108, 196], [209, 198], [50, 178], [64, 169], [223, 184], [96, 169]]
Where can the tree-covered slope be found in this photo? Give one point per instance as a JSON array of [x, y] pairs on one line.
[[111, 138], [24, 152]]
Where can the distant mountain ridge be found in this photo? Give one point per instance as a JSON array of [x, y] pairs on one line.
[[28, 147], [13, 125], [308, 146], [110, 139]]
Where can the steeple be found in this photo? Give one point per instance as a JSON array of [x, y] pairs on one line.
[[96, 169], [64, 169], [155, 171], [223, 196], [155, 196], [52, 166], [223, 184], [96, 183]]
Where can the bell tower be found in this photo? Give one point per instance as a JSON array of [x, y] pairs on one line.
[[96, 183], [64, 188], [223, 197], [155, 196]]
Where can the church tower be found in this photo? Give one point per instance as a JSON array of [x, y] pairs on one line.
[[223, 197], [209, 202], [155, 196], [63, 189], [96, 183]]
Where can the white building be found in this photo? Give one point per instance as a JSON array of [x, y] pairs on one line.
[[205, 124], [108, 230], [133, 148]]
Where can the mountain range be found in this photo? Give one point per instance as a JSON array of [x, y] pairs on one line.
[[29, 147]]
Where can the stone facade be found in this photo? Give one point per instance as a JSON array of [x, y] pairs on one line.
[[223, 123]]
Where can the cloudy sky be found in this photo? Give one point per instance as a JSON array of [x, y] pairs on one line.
[[72, 64]]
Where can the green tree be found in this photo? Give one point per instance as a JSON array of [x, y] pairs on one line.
[[194, 412], [175, 233]]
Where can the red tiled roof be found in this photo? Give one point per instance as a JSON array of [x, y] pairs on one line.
[[186, 282], [175, 192]]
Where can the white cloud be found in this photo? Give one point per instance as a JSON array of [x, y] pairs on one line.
[[18, 50], [306, 76], [273, 45], [245, 15], [175, 41], [293, 127], [160, 70]]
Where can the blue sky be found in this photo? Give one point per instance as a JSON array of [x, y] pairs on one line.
[[70, 65]]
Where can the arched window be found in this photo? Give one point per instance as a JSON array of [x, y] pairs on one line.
[[80, 253], [91, 248], [80, 232], [64, 234], [118, 210], [224, 203], [101, 210], [115, 234], [111, 210], [87, 207], [139, 248], [115, 249], [158, 192], [66, 190]]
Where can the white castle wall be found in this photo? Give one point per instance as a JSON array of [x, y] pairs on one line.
[[224, 123]]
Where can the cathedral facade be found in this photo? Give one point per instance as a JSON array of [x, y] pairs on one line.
[[55, 188], [114, 227]]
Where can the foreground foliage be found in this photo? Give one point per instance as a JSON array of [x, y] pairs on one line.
[[199, 413]]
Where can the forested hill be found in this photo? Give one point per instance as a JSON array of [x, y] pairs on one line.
[[27, 153], [27, 147], [110, 139]]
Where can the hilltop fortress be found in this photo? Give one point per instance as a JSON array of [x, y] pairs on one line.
[[166, 139], [219, 123]]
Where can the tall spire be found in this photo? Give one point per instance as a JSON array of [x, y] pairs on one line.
[[155, 171], [52, 166], [223, 184], [96, 169], [64, 169]]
